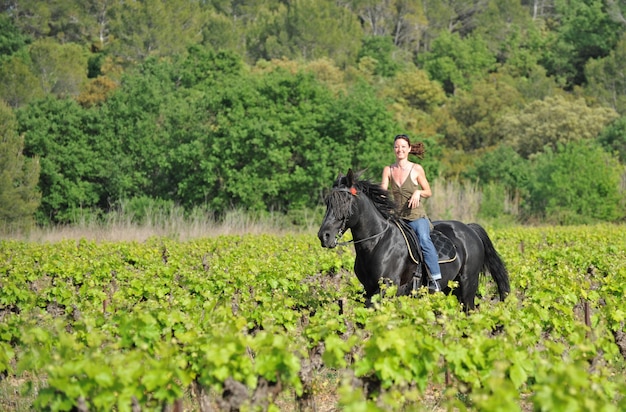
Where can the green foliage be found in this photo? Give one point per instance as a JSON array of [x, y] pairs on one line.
[[43, 68], [221, 32], [555, 120], [19, 197], [413, 88], [502, 165], [584, 31], [519, 56], [60, 69], [498, 205], [267, 162], [11, 39], [606, 77], [202, 131], [456, 63], [75, 162], [194, 121], [476, 113], [138, 121], [402, 21], [577, 183], [381, 49], [362, 130], [613, 138], [150, 28], [310, 29], [18, 84], [500, 23], [123, 325]]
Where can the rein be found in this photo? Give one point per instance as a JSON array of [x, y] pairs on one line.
[[341, 232], [363, 240]]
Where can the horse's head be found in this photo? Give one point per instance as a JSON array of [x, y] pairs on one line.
[[339, 209]]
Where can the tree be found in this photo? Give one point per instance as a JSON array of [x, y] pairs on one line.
[[553, 121], [613, 138], [476, 113], [221, 32], [60, 69], [606, 78], [140, 29], [501, 165], [96, 21], [18, 84], [136, 120], [585, 31], [415, 101], [381, 49], [413, 88], [576, 183], [11, 39], [451, 17], [402, 21], [361, 130], [456, 63], [500, 20], [309, 30], [19, 196], [74, 158], [31, 16]]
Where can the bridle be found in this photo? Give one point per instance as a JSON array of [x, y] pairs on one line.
[[342, 229], [362, 240]]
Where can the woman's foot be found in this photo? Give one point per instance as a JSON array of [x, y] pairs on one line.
[[433, 285]]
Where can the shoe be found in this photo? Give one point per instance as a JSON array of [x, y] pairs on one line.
[[433, 285]]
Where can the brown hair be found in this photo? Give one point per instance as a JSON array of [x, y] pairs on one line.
[[416, 149]]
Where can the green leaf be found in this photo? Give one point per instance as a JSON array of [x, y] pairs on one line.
[[517, 375]]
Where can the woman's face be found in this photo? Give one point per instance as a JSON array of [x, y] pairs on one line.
[[401, 148]]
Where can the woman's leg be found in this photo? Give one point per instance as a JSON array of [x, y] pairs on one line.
[[422, 228]]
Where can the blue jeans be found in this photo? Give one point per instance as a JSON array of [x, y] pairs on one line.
[[422, 228]]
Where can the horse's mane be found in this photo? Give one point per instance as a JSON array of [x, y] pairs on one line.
[[341, 203], [386, 206], [340, 199], [378, 195]]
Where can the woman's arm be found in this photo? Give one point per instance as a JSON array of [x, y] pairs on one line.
[[386, 175]]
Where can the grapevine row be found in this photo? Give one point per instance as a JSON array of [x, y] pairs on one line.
[[254, 322]]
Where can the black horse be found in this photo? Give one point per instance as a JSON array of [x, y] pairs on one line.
[[383, 243]]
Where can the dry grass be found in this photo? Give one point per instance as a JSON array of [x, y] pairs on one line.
[[172, 224], [452, 200]]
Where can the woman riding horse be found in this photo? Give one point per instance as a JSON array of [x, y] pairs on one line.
[[382, 253]]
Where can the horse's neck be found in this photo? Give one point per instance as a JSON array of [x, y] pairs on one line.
[[369, 223]]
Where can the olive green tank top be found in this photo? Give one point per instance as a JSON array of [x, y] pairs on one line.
[[402, 194]]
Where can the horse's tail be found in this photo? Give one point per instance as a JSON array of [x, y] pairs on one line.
[[493, 262]]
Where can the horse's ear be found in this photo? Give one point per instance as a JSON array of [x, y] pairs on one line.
[[351, 178], [338, 179]]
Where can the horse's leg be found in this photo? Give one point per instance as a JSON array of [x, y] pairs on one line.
[[368, 302], [469, 293], [468, 286]]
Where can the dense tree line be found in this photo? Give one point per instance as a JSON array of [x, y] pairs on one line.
[[258, 105]]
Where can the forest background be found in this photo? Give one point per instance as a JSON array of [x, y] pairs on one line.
[[205, 107]]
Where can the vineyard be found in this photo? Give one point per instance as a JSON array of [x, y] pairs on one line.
[[276, 322]]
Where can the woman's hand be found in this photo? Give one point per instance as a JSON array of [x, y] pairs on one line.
[[414, 201]]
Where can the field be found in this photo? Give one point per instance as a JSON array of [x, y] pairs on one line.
[[275, 322]]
